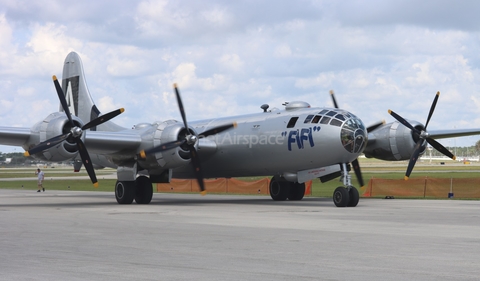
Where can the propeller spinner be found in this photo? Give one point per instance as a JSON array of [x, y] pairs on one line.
[[190, 140], [422, 137], [75, 132]]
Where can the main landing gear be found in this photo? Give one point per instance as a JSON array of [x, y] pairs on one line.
[[343, 196], [347, 195], [281, 190], [141, 190]]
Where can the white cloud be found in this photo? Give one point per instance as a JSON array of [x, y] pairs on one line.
[[226, 55]]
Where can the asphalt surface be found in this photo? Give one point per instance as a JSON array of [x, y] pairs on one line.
[[69, 235]]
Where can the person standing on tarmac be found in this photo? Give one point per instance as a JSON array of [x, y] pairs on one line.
[[41, 176]]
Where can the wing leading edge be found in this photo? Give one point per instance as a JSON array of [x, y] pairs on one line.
[[443, 134]]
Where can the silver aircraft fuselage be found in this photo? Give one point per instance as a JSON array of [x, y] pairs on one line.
[[271, 142]]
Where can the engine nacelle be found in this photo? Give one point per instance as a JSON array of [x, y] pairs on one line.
[[167, 131], [54, 125], [393, 142]]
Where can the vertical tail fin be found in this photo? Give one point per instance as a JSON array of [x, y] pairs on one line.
[[78, 97]]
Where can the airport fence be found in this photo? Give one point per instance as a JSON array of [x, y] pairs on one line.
[[223, 185], [464, 188]]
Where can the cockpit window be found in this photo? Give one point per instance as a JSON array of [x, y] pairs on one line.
[[323, 111], [353, 135], [331, 113], [308, 119], [325, 120], [340, 117], [292, 122], [316, 119], [336, 122]]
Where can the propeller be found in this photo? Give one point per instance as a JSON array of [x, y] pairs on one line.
[[355, 164], [422, 137], [190, 140], [75, 133]]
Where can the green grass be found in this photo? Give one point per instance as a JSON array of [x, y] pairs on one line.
[[370, 169]]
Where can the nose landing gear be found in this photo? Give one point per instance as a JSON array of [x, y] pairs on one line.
[[347, 195]]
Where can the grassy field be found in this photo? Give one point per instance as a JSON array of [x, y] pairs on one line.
[[26, 177]]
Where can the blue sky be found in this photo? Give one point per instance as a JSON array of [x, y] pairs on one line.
[[230, 57]]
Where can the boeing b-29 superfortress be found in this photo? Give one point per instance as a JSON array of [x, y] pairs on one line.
[[293, 145]]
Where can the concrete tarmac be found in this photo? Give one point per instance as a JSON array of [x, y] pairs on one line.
[[69, 235]]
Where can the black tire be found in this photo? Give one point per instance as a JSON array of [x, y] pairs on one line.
[[143, 190], [125, 192], [340, 197], [278, 189], [354, 197], [297, 191]]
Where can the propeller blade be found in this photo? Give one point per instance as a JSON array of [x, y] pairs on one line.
[[333, 99], [358, 172], [218, 129], [403, 121], [162, 147], [375, 126], [197, 169], [440, 148], [63, 101], [432, 108], [101, 119], [180, 106], [195, 160], [46, 144], [87, 162], [413, 158]]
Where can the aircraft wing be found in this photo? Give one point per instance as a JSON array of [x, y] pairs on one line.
[[14, 136], [98, 142], [101, 142], [443, 134]]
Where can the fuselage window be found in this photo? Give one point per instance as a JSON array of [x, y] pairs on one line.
[[336, 122], [292, 122], [316, 119], [308, 119], [325, 120]]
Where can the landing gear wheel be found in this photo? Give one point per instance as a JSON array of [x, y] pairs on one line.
[[279, 189], [297, 191], [340, 197], [125, 192], [354, 197], [143, 190]]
